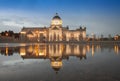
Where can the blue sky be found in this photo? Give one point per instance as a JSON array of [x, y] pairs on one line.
[[99, 16]]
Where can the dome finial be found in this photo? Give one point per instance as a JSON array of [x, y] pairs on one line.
[[56, 14]]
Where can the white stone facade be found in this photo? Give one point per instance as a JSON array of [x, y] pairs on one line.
[[54, 33]]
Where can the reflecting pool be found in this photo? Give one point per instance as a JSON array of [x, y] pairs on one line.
[[59, 62]]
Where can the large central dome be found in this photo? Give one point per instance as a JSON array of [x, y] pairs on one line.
[[56, 20], [56, 17]]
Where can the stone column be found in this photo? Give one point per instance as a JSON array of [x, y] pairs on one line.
[[84, 35]]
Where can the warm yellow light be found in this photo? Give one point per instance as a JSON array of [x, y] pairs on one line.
[[6, 50], [22, 44], [88, 48], [93, 50], [22, 51], [23, 32], [56, 64], [68, 50], [6, 34], [22, 54], [116, 49], [42, 32], [36, 50], [42, 53], [30, 36], [84, 51], [56, 22], [30, 49]]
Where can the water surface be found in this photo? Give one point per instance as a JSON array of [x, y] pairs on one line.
[[59, 62]]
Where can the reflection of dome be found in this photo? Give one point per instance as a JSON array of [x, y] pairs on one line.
[[56, 65], [56, 20], [56, 70]]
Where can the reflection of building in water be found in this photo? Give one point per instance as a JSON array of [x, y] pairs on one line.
[[56, 32], [56, 62], [7, 51], [93, 50], [88, 48], [22, 51], [79, 51], [33, 51], [55, 56], [116, 49], [55, 52], [75, 50]]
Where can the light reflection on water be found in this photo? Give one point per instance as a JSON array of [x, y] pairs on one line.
[[78, 58]]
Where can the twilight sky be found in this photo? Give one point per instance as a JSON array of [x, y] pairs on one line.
[[99, 16]]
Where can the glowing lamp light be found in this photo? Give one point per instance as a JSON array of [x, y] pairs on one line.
[[6, 34], [23, 32], [22, 52], [6, 50], [56, 64], [56, 22], [41, 53]]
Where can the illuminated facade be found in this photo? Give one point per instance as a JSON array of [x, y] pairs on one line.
[[54, 52], [55, 33]]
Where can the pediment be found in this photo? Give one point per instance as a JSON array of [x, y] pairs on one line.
[[30, 33], [55, 28]]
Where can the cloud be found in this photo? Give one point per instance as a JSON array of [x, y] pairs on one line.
[[11, 23], [15, 23], [97, 23]]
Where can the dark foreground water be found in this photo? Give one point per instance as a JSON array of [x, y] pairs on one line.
[[59, 62]]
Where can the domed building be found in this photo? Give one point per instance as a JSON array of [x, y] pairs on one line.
[[55, 33], [56, 21]]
